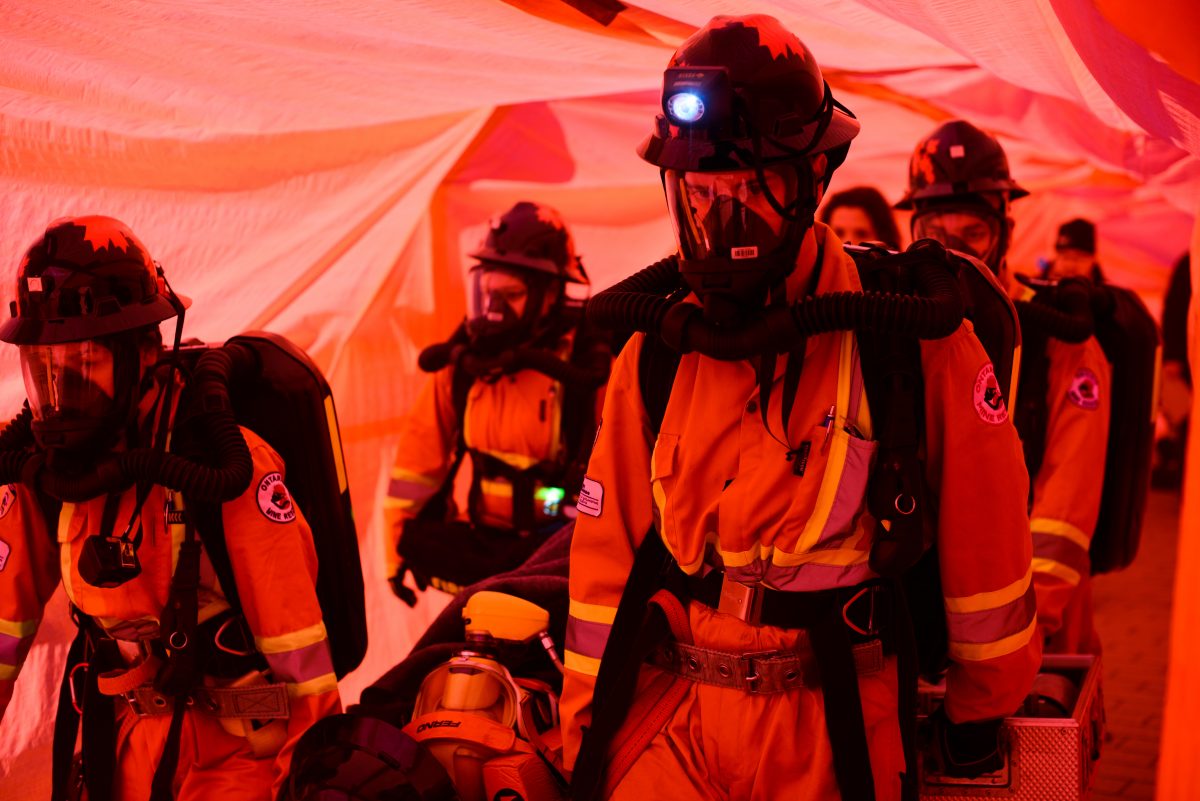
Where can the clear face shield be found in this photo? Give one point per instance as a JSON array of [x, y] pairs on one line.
[[68, 381], [470, 683], [503, 308], [971, 228], [728, 214]]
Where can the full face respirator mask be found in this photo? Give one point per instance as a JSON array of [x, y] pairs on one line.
[[82, 396], [739, 231], [504, 308], [969, 226]]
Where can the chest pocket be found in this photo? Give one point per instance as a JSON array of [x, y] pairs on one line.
[[843, 494], [663, 478]]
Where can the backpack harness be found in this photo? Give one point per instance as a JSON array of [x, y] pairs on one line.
[[454, 553]]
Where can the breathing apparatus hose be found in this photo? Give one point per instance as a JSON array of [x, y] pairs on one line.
[[17, 433], [214, 373], [457, 351], [641, 303], [1064, 311]]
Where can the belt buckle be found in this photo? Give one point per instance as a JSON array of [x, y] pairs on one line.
[[743, 601], [135, 703]]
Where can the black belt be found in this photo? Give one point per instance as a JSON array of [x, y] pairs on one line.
[[864, 607]]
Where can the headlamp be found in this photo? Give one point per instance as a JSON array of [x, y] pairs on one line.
[[685, 107], [699, 97]]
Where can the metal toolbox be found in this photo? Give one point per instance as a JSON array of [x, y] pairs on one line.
[[1050, 754]]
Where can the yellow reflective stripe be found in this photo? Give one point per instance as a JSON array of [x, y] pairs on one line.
[[863, 421], [978, 652], [982, 601], [335, 442], [660, 505], [9, 672], [400, 503], [744, 558], [520, 461], [321, 684], [18, 628], [211, 610], [1015, 382], [592, 613], [291, 641], [840, 556], [589, 666], [838, 447], [1056, 569], [1059, 528], [499, 489], [400, 474]]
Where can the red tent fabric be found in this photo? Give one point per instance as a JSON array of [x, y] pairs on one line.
[[319, 170]]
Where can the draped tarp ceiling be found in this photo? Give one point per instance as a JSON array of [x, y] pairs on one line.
[[319, 169]]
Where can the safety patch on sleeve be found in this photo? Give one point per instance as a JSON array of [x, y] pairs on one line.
[[274, 500], [989, 400], [4, 552], [591, 497], [1085, 390], [8, 497]]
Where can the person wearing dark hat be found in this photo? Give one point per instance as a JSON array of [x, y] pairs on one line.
[[517, 387], [961, 191], [1075, 252], [737, 501]]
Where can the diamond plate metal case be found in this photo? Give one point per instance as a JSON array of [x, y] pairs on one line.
[[1047, 759]]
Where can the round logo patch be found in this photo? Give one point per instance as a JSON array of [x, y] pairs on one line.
[[989, 400], [1085, 390], [8, 496], [274, 501]]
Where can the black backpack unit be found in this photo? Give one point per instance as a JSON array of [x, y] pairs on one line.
[[1130, 339], [288, 403]]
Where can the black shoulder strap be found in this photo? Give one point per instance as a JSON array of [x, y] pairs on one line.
[[657, 365], [460, 389], [1031, 415]]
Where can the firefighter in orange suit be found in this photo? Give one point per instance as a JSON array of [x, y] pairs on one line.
[[770, 504], [517, 387], [960, 189], [89, 301]]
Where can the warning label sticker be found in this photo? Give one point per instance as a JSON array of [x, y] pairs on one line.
[[591, 497]]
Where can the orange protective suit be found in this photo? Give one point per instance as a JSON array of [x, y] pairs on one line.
[[516, 419], [718, 488], [1066, 493], [275, 566]]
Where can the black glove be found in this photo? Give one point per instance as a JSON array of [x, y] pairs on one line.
[[403, 592], [967, 750]]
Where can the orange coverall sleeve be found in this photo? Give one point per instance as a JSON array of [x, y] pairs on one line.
[[275, 566], [423, 458], [29, 573], [615, 513], [979, 488], [1066, 493]]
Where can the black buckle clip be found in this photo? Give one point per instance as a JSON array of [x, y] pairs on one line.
[[870, 630]]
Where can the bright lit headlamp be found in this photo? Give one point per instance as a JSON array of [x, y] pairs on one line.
[[697, 97]]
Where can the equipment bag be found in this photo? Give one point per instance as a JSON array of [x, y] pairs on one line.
[[288, 403]]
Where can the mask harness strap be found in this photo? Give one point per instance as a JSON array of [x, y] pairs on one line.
[[798, 455]]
